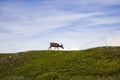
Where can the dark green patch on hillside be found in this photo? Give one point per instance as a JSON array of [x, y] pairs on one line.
[[102, 63]]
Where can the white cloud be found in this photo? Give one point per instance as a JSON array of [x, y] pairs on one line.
[[25, 26], [105, 20], [108, 2], [113, 39]]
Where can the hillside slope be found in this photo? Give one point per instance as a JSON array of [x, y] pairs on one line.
[[102, 63]]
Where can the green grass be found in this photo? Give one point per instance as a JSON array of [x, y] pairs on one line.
[[101, 63]]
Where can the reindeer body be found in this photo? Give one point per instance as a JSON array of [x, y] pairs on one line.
[[56, 45]]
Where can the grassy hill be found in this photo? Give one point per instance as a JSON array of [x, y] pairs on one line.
[[101, 63]]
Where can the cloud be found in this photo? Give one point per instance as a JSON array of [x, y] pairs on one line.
[[107, 20], [113, 39], [22, 22], [79, 24], [105, 2]]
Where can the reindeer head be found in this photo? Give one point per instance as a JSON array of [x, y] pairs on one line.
[[62, 46]]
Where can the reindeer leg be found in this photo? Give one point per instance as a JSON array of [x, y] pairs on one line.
[[49, 48], [54, 48]]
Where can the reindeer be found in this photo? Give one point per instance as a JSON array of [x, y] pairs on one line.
[[56, 45]]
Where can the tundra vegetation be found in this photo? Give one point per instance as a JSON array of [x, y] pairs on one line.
[[101, 63]]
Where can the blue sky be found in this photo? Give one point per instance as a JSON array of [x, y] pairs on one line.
[[78, 24]]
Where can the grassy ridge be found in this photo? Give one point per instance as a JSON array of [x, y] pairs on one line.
[[101, 63]]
